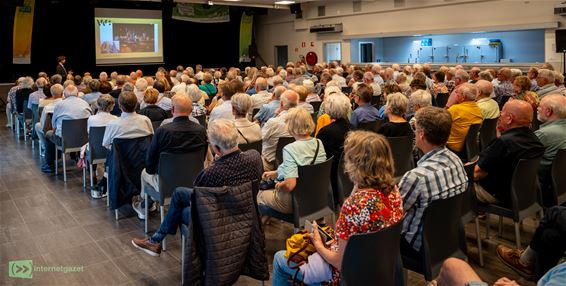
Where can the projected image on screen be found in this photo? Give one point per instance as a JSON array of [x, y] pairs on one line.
[[132, 38], [121, 38]]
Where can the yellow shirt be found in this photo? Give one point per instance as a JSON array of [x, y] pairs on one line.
[[322, 121], [463, 115]]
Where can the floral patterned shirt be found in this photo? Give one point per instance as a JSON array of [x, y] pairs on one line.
[[368, 210]]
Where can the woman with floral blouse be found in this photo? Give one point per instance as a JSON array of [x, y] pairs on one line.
[[374, 204]]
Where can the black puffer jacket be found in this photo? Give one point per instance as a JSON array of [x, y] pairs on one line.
[[225, 237]]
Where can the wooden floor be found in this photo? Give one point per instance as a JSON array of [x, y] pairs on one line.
[[57, 224]]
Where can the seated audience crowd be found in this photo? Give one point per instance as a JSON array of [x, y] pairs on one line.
[[325, 111]]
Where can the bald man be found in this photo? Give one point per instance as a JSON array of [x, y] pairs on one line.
[[498, 161], [180, 136], [552, 134]]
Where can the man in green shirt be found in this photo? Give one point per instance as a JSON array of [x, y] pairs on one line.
[[552, 134]]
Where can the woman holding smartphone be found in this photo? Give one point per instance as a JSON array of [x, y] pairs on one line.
[[374, 204]]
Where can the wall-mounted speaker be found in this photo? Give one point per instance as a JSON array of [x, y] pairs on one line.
[[560, 40]]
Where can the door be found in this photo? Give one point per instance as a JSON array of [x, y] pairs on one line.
[[425, 55], [366, 52], [332, 52], [281, 55]]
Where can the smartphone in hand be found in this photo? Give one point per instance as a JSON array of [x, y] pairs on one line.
[[326, 238]]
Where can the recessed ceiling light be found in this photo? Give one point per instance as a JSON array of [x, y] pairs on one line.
[[284, 2]]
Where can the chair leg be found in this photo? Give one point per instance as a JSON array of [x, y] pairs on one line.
[[479, 240], [56, 163], [64, 166], [107, 188], [182, 257], [146, 208], [116, 213], [84, 179], [517, 235], [500, 227], [91, 180], [161, 210], [486, 226]]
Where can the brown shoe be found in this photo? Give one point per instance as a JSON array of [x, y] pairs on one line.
[[511, 257], [153, 249]]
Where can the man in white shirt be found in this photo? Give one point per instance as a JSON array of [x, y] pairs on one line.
[[37, 95], [224, 110], [57, 95], [262, 96], [72, 107], [129, 124], [275, 128]]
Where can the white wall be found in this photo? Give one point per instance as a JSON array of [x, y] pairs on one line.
[[381, 19]]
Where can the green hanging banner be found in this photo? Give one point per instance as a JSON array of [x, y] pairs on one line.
[[201, 13], [246, 25]]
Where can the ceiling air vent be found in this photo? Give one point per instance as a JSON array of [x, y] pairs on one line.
[[357, 6], [330, 28], [321, 11]]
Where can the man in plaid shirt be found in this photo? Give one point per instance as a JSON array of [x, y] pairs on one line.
[[439, 174]]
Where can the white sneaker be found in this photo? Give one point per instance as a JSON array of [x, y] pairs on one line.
[[136, 205], [95, 194]]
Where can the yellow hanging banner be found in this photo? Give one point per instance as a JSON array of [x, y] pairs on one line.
[[23, 26]]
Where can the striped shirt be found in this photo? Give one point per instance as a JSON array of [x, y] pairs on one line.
[[439, 174]]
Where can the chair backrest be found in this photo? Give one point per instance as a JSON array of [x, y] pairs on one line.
[[344, 184], [372, 257], [376, 101], [156, 124], [441, 234], [282, 142], [488, 132], [74, 133], [558, 178], [207, 102], [254, 112], [34, 114], [28, 113], [472, 148], [524, 187], [313, 192], [95, 136], [370, 125], [535, 124], [316, 105], [257, 145], [178, 170], [442, 99], [201, 119], [402, 149]]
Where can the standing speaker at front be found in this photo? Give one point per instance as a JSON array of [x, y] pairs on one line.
[[561, 41]]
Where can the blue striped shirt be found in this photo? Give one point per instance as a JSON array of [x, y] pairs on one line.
[[439, 174]]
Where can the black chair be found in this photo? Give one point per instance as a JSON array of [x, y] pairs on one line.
[[469, 203], [345, 186], [73, 136], [370, 125], [156, 124], [402, 149], [207, 102], [251, 146], [471, 144], [282, 142], [22, 118], [316, 105], [488, 132], [96, 153], [440, 237], [254, 112], [376, 101], [312, 197], [202, 120], [442, 99], [373, 257], [175, 170], [34, 119], [558, 178], [535, 124], [524, 197]]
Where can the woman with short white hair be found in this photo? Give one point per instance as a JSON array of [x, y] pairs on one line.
[[195, 95], [306, 150], [248, 132], [312, 96], [419, 99], [395, 110]]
